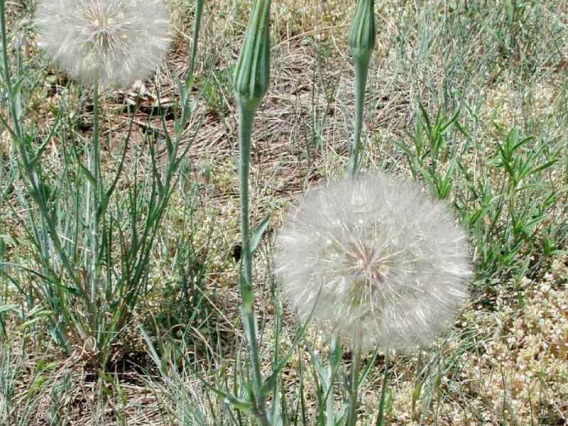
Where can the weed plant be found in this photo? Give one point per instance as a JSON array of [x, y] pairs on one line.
[[91, 248]]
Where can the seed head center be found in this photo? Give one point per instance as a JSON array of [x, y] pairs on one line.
[[364, 262], [102, 26]]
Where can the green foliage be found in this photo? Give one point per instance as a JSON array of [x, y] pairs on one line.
[[506, 203], [430, 156], [91, 246], [104, 242]]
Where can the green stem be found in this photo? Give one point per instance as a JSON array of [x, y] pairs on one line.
[[193, 52], [96, 141], [96, 191], [354, 394], [329, 408], [335, 355], [97, 292], [6, 73], [382, 405], [361, 73], [247, 309]]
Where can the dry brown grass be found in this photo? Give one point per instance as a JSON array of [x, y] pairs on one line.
[[512, 368]]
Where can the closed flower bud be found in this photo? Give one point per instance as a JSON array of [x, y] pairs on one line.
[[252, 76], [362, 34]]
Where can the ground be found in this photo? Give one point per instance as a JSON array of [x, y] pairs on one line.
[[469, 99]]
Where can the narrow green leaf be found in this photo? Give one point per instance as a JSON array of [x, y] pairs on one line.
[[87, 174], [258, 232], [8, 308]]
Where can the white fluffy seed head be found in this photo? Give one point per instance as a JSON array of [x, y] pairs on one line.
[[115, 42], [375, 260]]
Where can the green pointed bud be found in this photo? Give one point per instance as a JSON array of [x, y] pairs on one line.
[[362, 34], [252, 76]]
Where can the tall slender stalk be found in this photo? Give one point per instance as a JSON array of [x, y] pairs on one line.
[[354, 392], [96, 194], [335, 355], [362, 35], [193, 52], [96, 139], [246, 121], [6, 72], [382, 404], [252, 78], [361, 74]]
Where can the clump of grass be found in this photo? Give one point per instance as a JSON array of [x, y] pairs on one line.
[[505, 208], [91, 247]]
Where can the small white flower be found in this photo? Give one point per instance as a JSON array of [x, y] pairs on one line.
[[375, 260], [115, 42]]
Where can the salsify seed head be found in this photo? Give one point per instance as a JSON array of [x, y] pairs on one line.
[[375, 260], [114, 42]]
